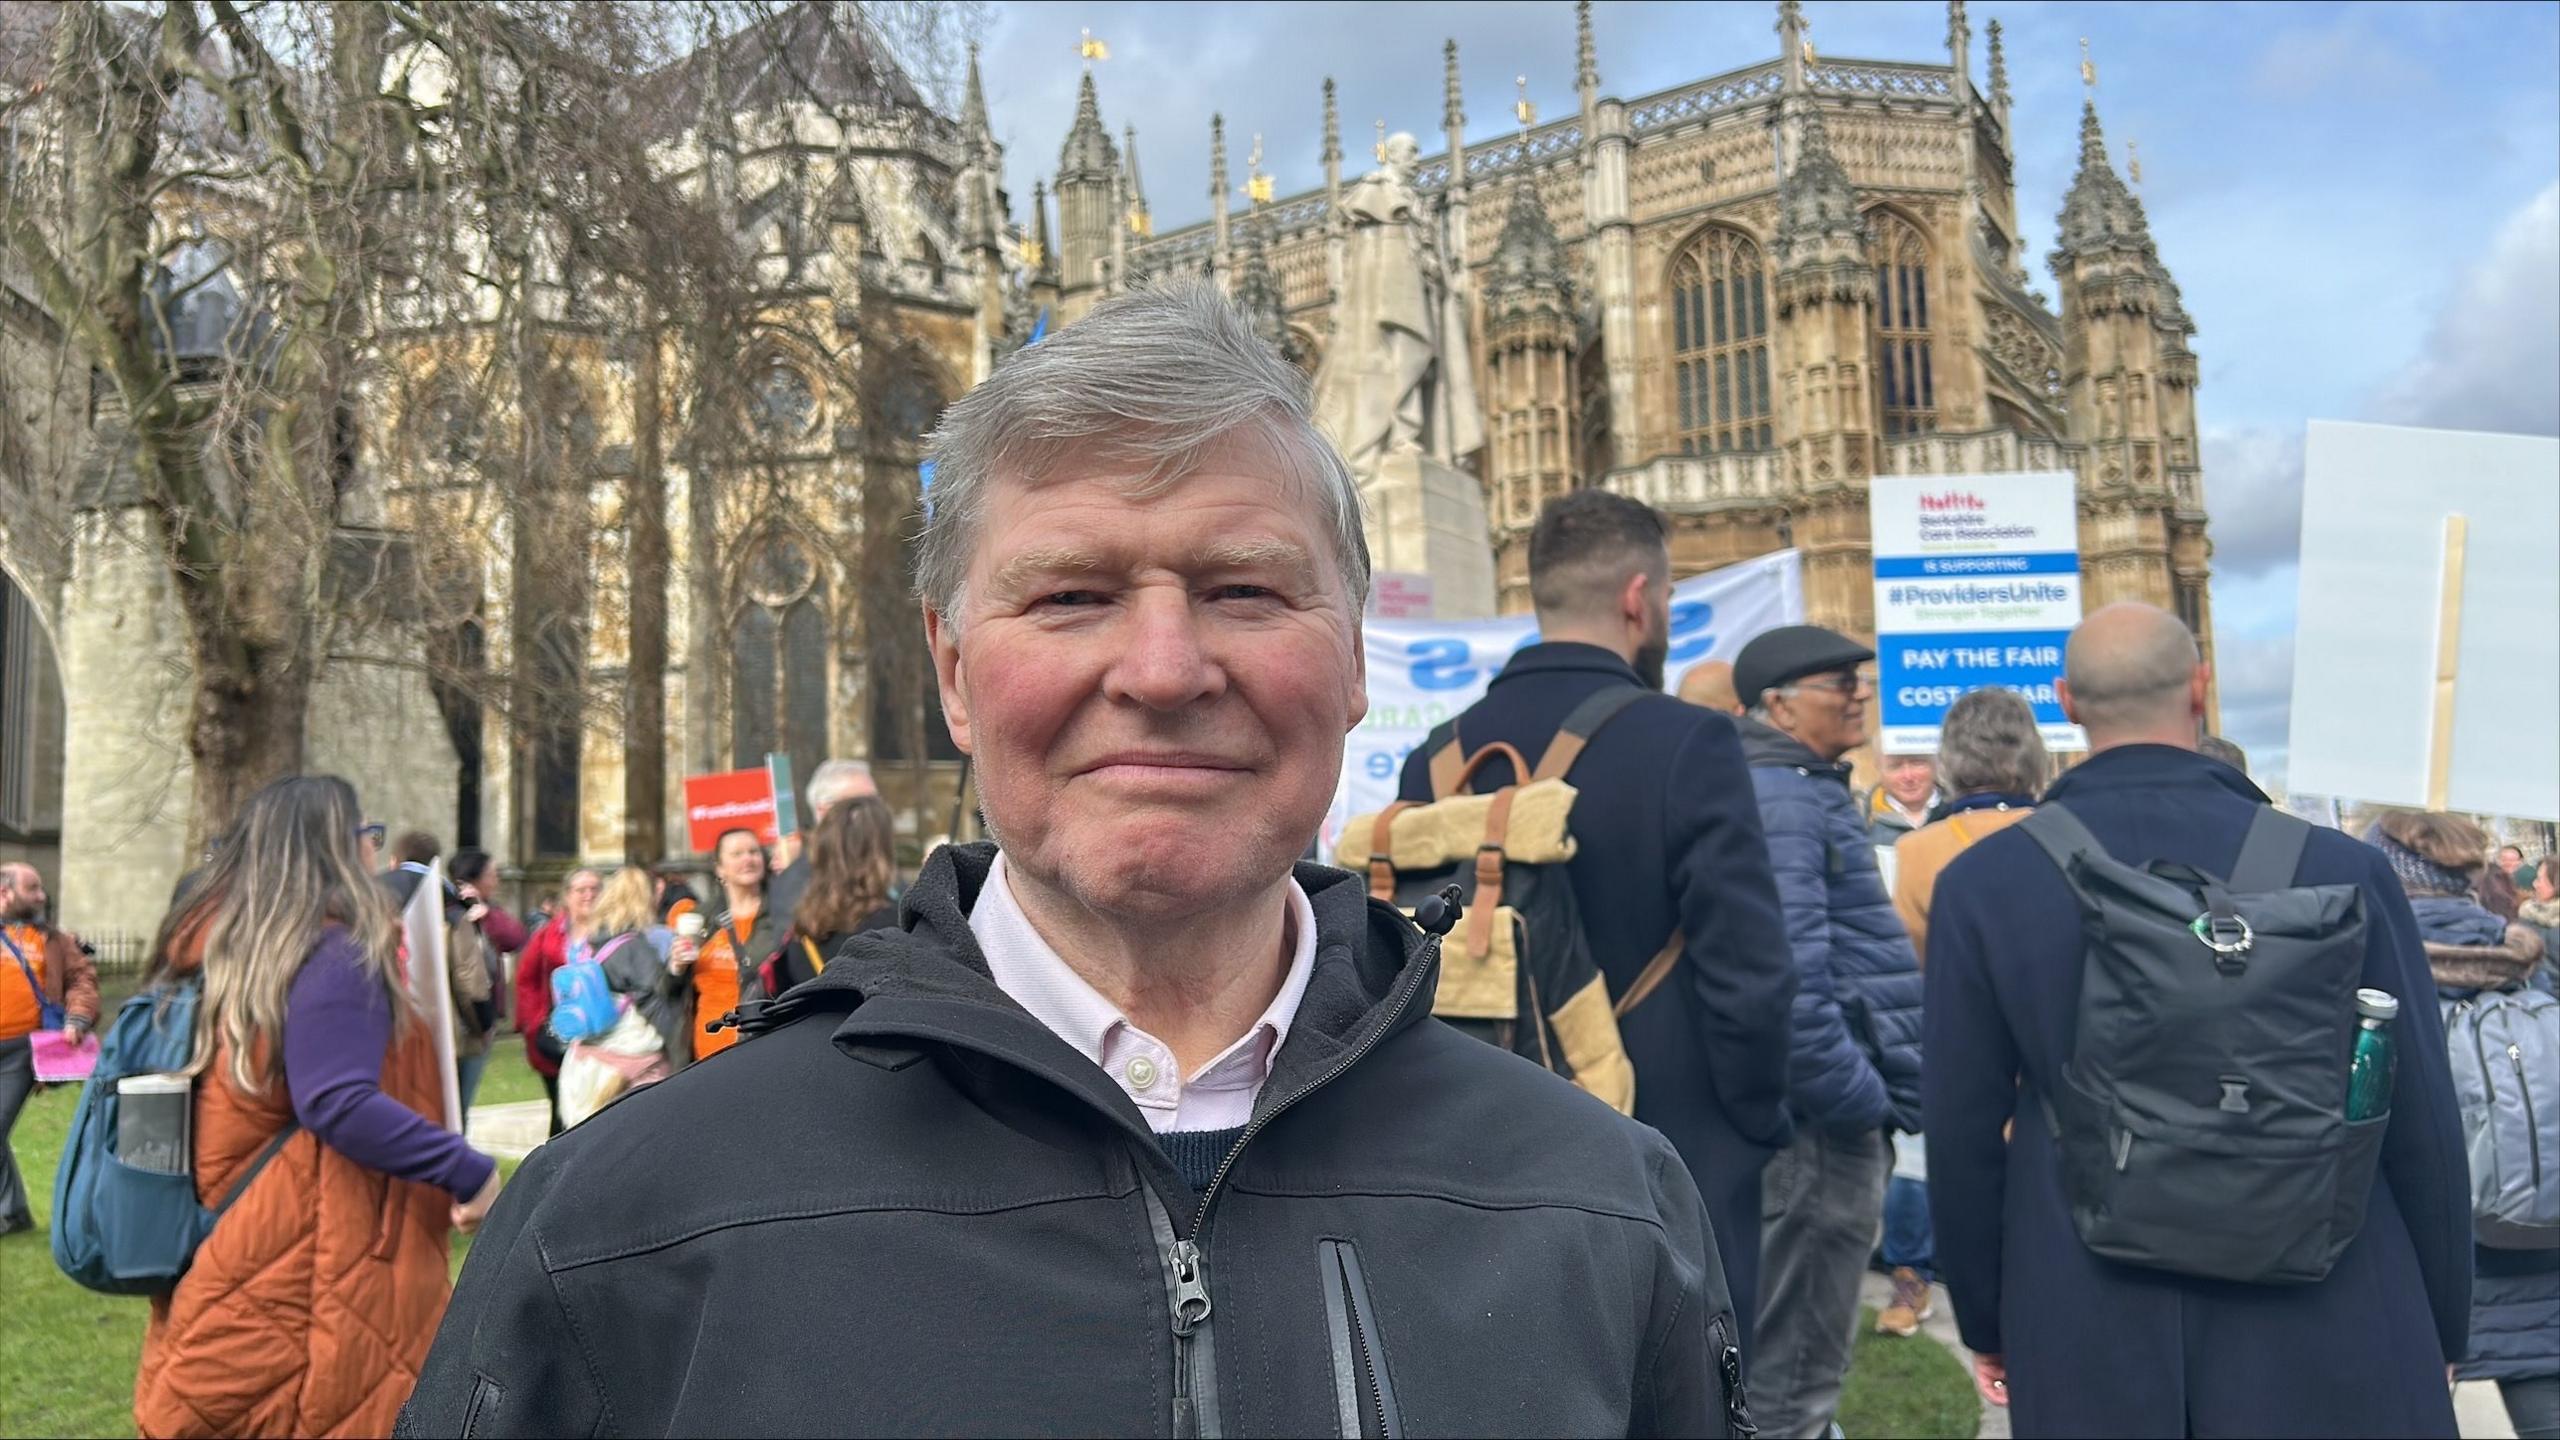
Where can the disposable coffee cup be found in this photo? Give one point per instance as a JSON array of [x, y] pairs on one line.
[[690, 925], [154, 1120]]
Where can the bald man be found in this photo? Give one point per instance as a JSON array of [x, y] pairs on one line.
[[1710, 683], [45, 979], [2078, 1345]]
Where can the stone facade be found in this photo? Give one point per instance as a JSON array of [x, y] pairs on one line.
[[1740, 298]]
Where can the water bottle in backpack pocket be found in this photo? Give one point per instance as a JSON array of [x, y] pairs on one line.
[[125, 1216], [2505, 1049], [2201, 1116]]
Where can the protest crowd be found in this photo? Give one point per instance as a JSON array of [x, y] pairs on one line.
[[1578, 1091]]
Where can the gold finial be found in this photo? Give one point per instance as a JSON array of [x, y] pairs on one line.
[[1139, 225], [1527, 112], [1090, 49], [2133, 160], [2088, 67], [1810, 59], [1382, 141], [1032, 254], [1257, 186]]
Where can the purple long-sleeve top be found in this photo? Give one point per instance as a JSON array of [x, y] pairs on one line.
[[337, 1029]]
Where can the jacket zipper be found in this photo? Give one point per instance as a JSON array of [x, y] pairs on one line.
[[1187, 1263], [2524, 1092], [1738, 1423], [1352, 1327]]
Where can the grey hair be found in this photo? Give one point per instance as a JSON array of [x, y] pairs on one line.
[[833, 780], [1157, 379], [1989, 743]]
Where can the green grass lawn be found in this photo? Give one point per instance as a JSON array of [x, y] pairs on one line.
[[1906, 1387], [67, 1355]]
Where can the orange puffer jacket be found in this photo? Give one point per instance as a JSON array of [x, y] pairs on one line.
[[311, 1306]]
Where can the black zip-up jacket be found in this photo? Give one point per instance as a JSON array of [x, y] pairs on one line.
[[907, 1207]]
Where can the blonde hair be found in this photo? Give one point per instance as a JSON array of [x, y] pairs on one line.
[[626, 904], [289, 869]]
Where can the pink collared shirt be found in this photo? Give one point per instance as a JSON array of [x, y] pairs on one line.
[[1217, 1096]]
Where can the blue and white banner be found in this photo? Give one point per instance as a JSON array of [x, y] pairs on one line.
[[1421, 672], [1977, 583]]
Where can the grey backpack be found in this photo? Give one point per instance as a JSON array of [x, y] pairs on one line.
[[2505, 1048], [2200, 1116]]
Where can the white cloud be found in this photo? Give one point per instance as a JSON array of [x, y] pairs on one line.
[[2492, 359]]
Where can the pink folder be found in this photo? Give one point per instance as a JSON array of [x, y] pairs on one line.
[[59, 1063]]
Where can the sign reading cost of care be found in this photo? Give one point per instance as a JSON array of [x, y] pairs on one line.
[[1977, 583]]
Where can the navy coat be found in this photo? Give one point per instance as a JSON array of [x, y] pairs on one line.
[[2097, 1348], [1669, 837], [1855, 1066]]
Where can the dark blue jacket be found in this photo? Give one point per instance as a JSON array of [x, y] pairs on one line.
[[2097, 1348], [1856, 1061], [1668, 837]]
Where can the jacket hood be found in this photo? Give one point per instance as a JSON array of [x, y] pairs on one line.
[[927, 980], [1766, 744], [2486, 967]]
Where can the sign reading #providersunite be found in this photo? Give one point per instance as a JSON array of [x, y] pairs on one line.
[[1977, 583]]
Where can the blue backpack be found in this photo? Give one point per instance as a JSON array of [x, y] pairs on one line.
[[117, 1229], [583, 1005]]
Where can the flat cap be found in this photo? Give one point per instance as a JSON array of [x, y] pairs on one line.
[[1791, 652]]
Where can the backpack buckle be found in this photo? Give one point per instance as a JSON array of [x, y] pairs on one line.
[[2224, 935]]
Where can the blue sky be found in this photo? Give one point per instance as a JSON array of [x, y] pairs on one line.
[[2361, 202]]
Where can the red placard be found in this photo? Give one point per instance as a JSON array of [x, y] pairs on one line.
[[734, 800]]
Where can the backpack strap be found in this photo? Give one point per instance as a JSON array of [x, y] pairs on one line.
[[1497, 750], [1583, 722], [1488, 896], [1382, 865], [1448, 758], [2061, 835], [2271, 853], [240, 1186], [1650, 978]]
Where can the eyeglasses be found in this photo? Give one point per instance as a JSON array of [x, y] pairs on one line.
[[373, 832], [1862, 682]]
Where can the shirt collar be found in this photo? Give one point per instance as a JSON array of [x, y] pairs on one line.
[[1026, 968]]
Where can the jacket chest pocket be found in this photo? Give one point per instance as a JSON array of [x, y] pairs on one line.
[[1364, 1390]]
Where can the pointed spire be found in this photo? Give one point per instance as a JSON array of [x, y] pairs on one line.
[[1960, 45], [1139, 221], [1816, 202], [2098, 212], [1218, 162], [1999, 71], [973, 108], [1332, 127], [1528, 258], [1791, 43], [1453, 114], [1586, 58], [1088, 153], [1044, 256], [1257, 291]]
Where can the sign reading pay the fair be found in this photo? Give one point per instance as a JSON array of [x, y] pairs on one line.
[[1977, 583]]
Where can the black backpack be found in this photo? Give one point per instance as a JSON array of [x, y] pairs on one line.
[[1517, 971], [2201, 1114]]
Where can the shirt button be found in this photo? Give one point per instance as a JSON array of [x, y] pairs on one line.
[[1142, 1073]]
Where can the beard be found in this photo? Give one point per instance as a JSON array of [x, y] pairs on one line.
[[1650, 657]]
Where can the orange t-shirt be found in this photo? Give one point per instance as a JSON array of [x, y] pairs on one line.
[[715, 982], [20, 1007]]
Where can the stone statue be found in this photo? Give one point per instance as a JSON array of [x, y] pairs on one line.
[[1397, 376]]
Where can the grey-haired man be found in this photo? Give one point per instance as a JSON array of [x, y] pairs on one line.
[[1135, 1127]]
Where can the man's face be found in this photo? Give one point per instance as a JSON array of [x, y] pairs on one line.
[[1154, 691], [741, 860], [21, 893], [1828, 712], [2509, 857], [1910, 778]]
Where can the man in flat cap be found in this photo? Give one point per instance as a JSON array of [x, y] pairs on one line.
[[1853, 1074]]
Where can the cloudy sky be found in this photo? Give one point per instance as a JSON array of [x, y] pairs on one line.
[[2361, 202]]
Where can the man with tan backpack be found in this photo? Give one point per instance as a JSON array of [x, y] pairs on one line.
[[1666, 847]]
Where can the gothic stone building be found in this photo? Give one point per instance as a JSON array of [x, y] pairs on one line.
[[1740, 298]]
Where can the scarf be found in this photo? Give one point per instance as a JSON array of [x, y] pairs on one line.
[[2418, 874]]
